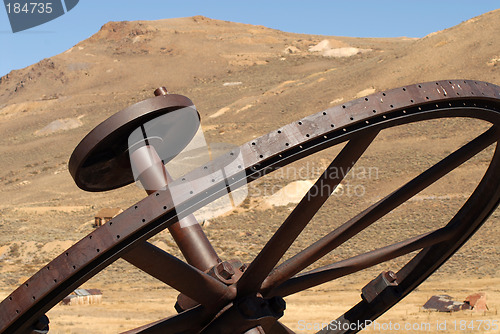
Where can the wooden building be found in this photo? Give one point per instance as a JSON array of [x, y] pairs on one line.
[[105, 215], [83, 297]]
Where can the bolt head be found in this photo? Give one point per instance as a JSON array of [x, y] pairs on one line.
[[391, 276], [225, 270], [160, 91]]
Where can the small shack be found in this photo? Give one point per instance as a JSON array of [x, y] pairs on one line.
[[105, 215], [477, 301], [445, 303], [83, 297]]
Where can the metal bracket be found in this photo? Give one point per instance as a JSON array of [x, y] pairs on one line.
[[378, 285]]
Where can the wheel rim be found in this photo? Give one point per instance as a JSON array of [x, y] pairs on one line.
[[351, 121]]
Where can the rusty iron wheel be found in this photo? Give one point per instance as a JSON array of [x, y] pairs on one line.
[[223, 308]]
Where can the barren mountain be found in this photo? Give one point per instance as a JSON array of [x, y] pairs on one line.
[[245, 81]]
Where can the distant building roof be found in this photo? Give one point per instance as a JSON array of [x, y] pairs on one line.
[[86, 292], [444, 303], [81, 292], [477, 301], [108, 212]]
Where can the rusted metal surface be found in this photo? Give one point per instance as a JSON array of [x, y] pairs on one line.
[[247, 313], [181, 276], [225, 298], [274, 250], [187, 233], [227, 272], [101, 161], [387, 279]]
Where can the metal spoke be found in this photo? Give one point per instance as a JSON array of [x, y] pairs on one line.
[[302, 214], [360, 262], [364, 219], [176, 273], [184, 322]]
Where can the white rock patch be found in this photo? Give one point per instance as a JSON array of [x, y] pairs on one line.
[[62, 124], [324, 47]]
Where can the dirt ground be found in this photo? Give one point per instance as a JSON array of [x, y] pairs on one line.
[[125, 308]]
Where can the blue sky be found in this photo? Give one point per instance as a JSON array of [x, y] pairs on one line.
[[361, 18]]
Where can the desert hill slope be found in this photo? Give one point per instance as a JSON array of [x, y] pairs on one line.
[[246, 81], [124, 61]]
